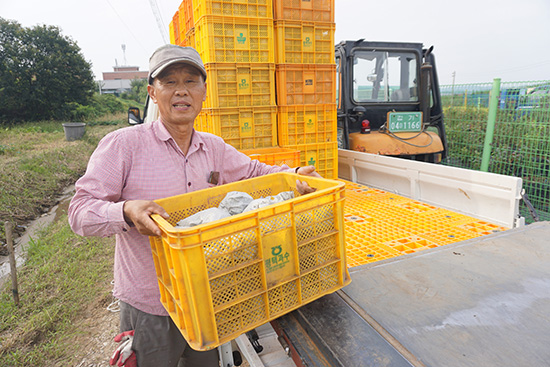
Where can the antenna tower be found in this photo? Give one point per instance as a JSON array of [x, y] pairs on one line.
[[124, 54]]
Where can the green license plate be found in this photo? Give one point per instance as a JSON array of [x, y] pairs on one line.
[[400, 122]]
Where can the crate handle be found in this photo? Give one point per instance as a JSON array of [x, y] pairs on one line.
[[161, 222]]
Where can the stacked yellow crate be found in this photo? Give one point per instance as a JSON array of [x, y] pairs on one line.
[[174, 29], [235, 41], [186, 24], [306, 81]]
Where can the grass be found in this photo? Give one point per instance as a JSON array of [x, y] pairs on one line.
[[64, 272], [36, 163]]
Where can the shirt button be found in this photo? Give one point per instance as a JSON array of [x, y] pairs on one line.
[[189, 184], [124, 230], [186, 161]]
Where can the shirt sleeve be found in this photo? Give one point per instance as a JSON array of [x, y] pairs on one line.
[[97, 208]]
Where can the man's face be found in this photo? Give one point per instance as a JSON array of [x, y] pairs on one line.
[[179, 92]]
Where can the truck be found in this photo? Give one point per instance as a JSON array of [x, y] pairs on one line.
[[471, 292]]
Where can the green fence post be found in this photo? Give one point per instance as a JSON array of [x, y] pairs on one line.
[[493, 106]]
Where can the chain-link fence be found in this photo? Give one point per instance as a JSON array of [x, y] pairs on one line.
[[521, 142]]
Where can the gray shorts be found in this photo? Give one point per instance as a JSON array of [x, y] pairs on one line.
[[159, 343]]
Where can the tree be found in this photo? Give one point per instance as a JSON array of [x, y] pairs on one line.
[[41, 72], [138, 92]]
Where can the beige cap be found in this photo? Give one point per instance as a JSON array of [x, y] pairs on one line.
[[171, 54]]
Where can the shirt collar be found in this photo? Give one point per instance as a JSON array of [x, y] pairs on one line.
[[160, 131], [197, 141]]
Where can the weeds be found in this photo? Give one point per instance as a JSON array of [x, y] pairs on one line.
[[64, 272], [5, 149], [37, 163]]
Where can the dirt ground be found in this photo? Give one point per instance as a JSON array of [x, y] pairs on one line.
[[96, 345]]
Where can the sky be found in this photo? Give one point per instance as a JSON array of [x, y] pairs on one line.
[[474, 41]]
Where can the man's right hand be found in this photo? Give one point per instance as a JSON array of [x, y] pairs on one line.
[[139, 213]]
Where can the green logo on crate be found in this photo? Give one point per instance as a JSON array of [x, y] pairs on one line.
[[307, 42], [244, 84], [311, 158], [278, 259], [247, 128], [311, 123], [241, 39]]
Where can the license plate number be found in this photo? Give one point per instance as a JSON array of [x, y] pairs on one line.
[[399, 122]]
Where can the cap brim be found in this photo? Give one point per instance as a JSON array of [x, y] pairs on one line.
[[159, 70]]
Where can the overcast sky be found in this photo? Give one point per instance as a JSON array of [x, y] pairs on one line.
[[478, 40]]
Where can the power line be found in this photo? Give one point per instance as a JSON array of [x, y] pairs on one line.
[[512, 69], [525, 67], [124, 23]]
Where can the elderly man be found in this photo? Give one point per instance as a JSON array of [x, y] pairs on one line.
[[133, 166]]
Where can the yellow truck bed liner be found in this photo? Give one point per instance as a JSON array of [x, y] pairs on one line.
[[381, 225]]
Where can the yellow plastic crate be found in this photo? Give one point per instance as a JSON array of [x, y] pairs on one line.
[[299, 84], [173, 30], [241, 127], [304, 42], [275, 156], [233, 39], [324, 156], [189, 39], [186, 17], [221, 279], [233, 8], [243, 85], [304, 10], [306, 124]]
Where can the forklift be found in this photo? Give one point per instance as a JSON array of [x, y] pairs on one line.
[[388, 100]]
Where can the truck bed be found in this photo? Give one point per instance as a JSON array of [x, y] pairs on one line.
[[479, 302], [487, 196]]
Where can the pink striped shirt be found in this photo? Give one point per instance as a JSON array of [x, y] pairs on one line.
[[144, 162]]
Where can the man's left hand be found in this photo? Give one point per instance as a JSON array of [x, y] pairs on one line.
[[302, 186]]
